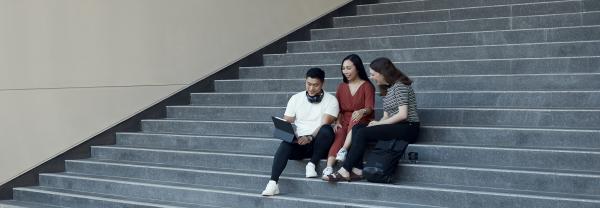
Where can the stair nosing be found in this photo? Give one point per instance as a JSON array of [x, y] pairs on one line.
[[375, 25], [421, 108], [463, 8], [418, 92], [423, 126], [590, 174], [402, 2], [431, 145], [93, 196], [188, 187], [432, 61], [421, 76], [442, 47], [447, 33], [445, 188]]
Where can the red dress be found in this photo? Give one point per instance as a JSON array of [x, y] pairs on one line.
[[363, 98]]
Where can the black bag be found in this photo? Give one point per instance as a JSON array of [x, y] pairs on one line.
[[383, 160]]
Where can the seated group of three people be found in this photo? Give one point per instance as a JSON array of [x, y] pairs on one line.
[[339, 128]]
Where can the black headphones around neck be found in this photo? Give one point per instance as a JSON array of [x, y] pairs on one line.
[[316, 98]]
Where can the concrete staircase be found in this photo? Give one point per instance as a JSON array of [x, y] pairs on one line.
[[509, 97]]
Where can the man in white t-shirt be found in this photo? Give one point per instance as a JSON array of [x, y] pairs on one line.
[[312, 111]]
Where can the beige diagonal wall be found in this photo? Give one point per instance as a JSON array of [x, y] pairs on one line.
[[71, 68]]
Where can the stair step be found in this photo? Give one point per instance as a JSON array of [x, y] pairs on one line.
[[507, 51], [514, 10], [511, 137], [389, 1], [224, 128], [21, 204], [436, 68], [536, 118], [449, 39], [435, 195], [549, 22], [452, 134], [550, 159], [521, 82], [511, 179], [186, 193], [407, 6], [248, 145], [494, 137], [428, 99], [82, 198]]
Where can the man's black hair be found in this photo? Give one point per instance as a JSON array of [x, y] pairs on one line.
[[316, 73]]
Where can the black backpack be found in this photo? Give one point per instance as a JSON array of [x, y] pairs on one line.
[[383, 160]]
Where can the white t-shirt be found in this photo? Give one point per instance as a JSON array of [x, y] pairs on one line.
[[310, 115]]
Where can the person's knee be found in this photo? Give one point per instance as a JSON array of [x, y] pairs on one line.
[[327, 131], [355, 128], [284, 148], [358, 136]]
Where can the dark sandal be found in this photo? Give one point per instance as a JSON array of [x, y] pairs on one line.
[[335, 177], [355, 177]]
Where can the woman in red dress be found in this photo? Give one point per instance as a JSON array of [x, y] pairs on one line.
[[356, 97]]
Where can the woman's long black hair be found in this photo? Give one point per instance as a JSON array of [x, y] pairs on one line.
[[360, 68]]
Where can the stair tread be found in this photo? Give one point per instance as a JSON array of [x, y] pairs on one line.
[[436, 34], [592, 174], [430, 145], [459, 20], [230, 190], [470, 7], [466, 7], [508, 12], [104, 197], [409, 185], [588, 149], [22, 204], [417, 91], [427, 61], [421, 108], [443, 47], [458, 164], [493, 127]]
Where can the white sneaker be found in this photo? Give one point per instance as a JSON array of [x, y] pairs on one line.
[[327, 171], [310, 170], [341, 155], [271, 189]]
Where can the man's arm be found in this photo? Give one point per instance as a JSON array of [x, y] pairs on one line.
[[327, 120], [400, 116], [289, 119]]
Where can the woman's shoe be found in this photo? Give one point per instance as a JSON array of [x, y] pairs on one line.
[[271, 189], [327, 171], [341, 155], [355, 177], [335, 177]]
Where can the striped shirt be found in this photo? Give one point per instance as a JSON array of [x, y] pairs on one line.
[[398, 95]]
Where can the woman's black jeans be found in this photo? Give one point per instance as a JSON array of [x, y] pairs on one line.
[[362, 135]]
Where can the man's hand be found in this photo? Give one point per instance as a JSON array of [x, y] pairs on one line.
[[303, 140]]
